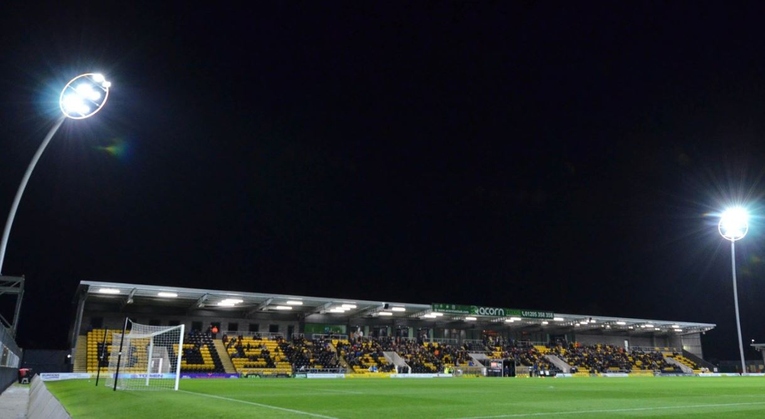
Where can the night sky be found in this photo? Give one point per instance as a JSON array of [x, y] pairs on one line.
[[540, 155]]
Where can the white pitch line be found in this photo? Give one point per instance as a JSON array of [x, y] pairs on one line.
[[338, 391], [636, 409], [284, 409]]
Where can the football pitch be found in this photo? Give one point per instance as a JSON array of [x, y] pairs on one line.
[[452, 398]]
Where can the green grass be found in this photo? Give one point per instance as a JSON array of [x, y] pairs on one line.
[[659, 397]]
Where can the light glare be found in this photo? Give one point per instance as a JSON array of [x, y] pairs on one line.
[[109, 291], [734, 223], [84, 95]]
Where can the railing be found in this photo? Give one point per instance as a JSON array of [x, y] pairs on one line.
[[446, 341], [320, 371], [255, 335], [329, 336], [654, 349]]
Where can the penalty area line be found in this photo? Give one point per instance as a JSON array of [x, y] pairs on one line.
[[266, 406], [635, 409]]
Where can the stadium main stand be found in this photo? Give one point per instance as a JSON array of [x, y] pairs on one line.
[[277, 335], [274, 356]]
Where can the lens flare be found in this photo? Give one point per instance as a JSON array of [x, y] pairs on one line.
[[118, 148]]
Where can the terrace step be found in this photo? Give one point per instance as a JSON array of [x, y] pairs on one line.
[[228, 366]]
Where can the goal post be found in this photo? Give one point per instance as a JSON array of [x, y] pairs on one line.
[[145, 357]]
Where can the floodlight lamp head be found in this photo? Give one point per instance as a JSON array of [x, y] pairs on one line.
[[734, 223], [84, 95]]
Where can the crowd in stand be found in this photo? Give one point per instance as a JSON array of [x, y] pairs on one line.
[[594, 358], [355, 352], [252, 352], [431, 357], [305, 355], [605, 358]]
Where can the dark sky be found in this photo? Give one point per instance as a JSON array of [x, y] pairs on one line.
[[539, 155]]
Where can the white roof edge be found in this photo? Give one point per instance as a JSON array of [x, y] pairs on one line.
[[418, 306]]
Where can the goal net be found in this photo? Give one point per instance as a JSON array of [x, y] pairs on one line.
[[145, 357]]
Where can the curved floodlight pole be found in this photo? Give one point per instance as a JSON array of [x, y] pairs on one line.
[[20, 192], [81, 98], [733, 226]]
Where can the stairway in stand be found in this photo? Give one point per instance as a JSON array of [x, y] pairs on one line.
[[81, 355], [225, 359]]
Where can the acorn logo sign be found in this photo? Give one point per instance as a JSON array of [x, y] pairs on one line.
[[487, 311]]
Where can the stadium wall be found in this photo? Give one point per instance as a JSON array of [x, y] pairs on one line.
[[46, 360], [692, 344], [10, 359], [7, 377]]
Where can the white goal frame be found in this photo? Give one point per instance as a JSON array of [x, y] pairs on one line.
[[145, 357]]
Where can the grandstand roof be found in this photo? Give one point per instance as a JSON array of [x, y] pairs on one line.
[[117, 296]]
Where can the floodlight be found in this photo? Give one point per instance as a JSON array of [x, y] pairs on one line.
[[84, 95], [230, 302], [470, 319], [233, 300], [167, 294], [109, 291], [398, 308], [734, 223]]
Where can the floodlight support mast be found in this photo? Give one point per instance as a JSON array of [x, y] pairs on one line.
[[81, 98], [735, 301], [23, 186]]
